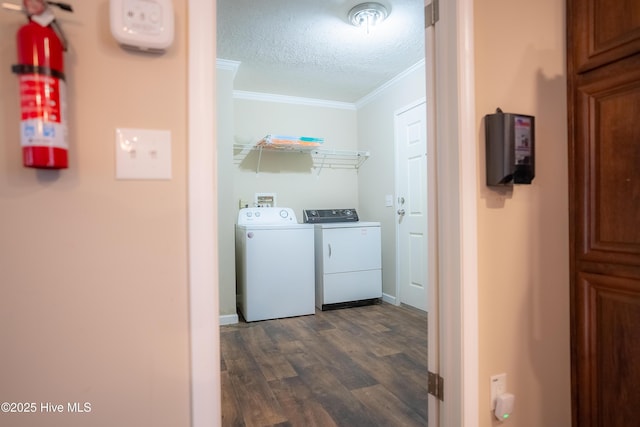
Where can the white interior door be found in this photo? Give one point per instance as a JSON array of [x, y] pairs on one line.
[[411, 205]]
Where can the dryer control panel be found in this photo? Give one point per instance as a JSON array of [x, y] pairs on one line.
[[323, 216]]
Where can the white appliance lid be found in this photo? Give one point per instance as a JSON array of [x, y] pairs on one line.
[[255, 227], [358, 224]]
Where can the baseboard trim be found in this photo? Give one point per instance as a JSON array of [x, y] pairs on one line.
[[389, 298], [228, 319]]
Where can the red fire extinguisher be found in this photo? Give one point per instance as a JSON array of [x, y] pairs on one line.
[[40, 69]]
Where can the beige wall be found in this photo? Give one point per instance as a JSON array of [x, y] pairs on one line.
[[376, 179], [227, 213], [292, 175], [94, 270], [523, 232]]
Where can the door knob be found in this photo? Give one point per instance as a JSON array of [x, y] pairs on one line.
[[400, 211]]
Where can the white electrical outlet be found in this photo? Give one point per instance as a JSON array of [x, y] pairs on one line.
[[498, 387]]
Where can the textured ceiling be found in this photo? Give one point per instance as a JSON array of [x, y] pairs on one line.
[[307, 48]]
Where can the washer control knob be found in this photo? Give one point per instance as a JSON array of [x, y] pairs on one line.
[[284, 213]]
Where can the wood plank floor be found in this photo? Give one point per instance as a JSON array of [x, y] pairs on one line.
[[364, 366]]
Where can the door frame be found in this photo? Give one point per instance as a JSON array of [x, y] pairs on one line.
[[396, 114], [202, 208], [456, 145], [457, 223]]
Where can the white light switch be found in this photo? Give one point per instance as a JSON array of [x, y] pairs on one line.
[[143, 154]]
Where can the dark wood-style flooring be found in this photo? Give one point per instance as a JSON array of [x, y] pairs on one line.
[[364, 366]]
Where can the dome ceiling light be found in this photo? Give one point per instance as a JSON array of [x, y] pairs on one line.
[[368, 15]]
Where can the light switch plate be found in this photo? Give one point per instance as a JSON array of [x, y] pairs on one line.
[[388, 200], [143, 154]]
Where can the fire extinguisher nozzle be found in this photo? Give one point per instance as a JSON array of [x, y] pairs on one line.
[[63, 6]]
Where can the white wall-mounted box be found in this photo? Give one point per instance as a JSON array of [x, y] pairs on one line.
[[142, 24]]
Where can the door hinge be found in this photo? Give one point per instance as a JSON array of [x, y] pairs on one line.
[[436, 385], [431, 13]]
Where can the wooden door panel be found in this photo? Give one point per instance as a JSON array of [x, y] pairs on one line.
[[609, 342], [608, 109], [603, 53], [613, 29]]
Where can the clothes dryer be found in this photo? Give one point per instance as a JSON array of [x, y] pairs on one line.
[[348, 258]]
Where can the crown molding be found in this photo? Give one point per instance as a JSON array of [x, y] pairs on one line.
[[228, 65], [377, 92], [284, 99], [225, 64]]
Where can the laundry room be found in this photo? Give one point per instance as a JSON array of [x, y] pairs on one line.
[[354, 119]]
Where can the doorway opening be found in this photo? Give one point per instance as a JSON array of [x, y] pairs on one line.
[[456, 36]]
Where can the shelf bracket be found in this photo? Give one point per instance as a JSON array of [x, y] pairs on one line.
[[259, 160], [324, 158]]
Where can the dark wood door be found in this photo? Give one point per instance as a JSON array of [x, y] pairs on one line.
[[603, 54]]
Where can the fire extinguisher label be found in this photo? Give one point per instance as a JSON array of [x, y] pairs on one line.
[[43, 108]]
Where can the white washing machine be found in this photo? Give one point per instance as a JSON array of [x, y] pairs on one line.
[[275, 270], [348, 258]]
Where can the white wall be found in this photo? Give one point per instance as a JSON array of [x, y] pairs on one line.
[[376, 178]]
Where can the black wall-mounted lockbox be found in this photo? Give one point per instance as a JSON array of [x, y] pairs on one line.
[[510, 148]]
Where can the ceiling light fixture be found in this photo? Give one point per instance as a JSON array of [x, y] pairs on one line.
[[367, 15]]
